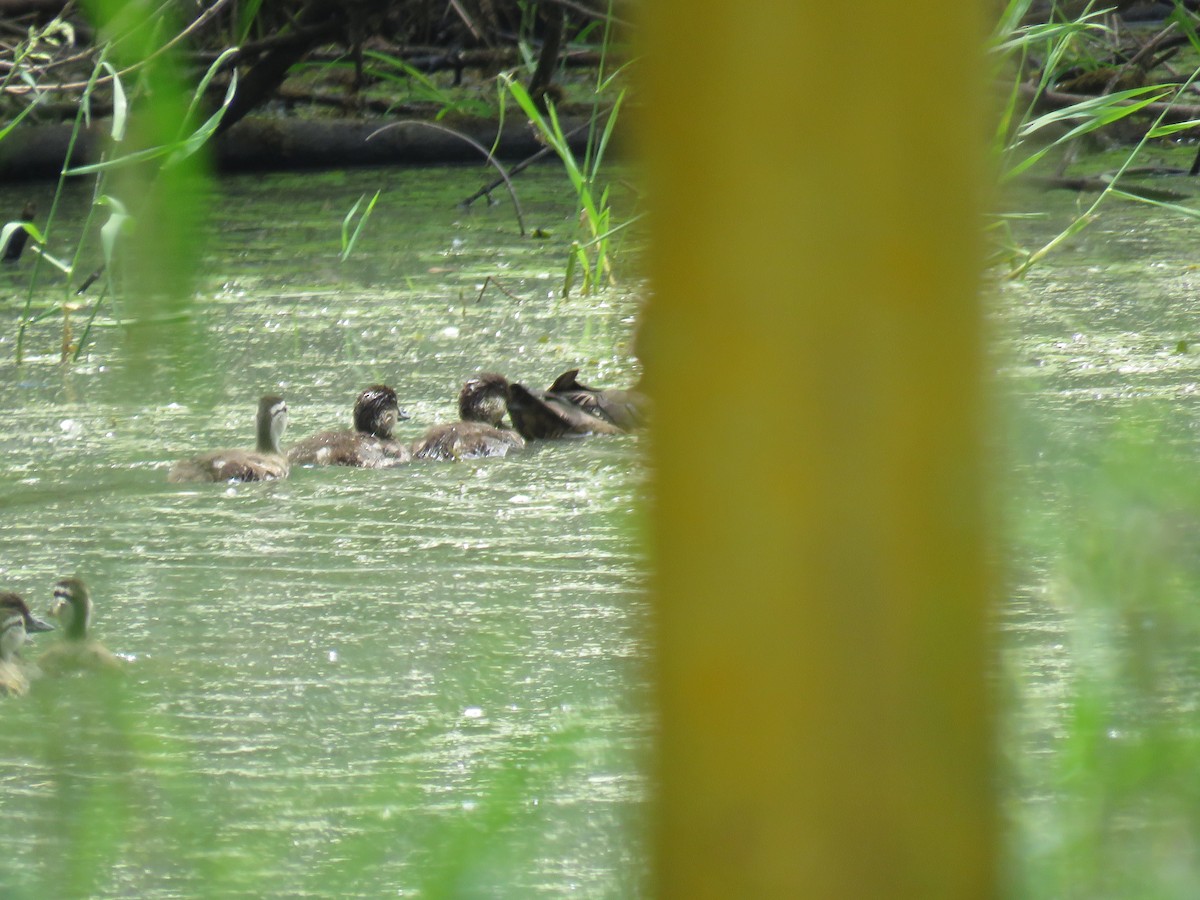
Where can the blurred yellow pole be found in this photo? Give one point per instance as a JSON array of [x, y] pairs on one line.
[[815, 345]]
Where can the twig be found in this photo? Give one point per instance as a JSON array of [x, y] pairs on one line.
[[523, 164], [471, 26], [492, 279], [590, 13], [478, 146], [1136, 60], [200, 20]]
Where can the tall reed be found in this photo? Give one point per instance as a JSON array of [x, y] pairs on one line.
[[589, 255]]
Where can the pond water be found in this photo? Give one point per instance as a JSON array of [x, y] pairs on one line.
[[424, 681], [1099, 378]]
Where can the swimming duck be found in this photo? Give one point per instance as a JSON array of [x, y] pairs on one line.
[[628, 410], [16, 623], [481, 407], [538, 415], [78, 650], [369, 445], [266, 462]]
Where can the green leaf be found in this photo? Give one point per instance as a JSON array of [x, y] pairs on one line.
[[1099, 110], [202, 134], [110, 231], [120, 104], [348, 244], [1165, 130], [19, 116]]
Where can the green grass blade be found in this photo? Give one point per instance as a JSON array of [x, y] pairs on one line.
[[1099, 111], [110, 231], [19, 116], [120, 104], [348, 243], [247, 13], [201, 135], [606, 134]]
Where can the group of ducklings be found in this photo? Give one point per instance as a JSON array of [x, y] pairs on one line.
[[72, 606], [566, 408]]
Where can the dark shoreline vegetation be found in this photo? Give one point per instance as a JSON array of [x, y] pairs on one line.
[[299, 63], [149, 102]]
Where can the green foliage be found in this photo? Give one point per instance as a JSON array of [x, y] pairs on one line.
[[1023, 139], [589, 257], [155, 211], [247, 17], [396, 71], [348, 239]]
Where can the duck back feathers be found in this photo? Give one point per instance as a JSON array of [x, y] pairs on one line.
[[369, 445], [482, 403]]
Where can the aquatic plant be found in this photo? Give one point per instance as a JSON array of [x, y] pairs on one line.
[[590, 255], [166, 137], [1024, 138]]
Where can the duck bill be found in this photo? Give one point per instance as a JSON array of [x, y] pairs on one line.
[[33, 623]]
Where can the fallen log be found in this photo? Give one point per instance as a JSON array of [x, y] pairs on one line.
[[261, 144]]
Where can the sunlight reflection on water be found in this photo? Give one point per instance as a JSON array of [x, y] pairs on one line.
[[342, 675]]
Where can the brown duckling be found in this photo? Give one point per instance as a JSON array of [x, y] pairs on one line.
[[539, 415], [78, 651], [628, 410], [264, 463], [369, 445], [481, 406], [16, 623]]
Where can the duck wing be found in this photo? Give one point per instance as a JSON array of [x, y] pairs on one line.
[[542, 415], [627, 409]]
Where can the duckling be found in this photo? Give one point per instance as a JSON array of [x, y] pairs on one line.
[[481, 406], [16, 622], [77, 651], [266, 462], [628, 410], [370, 445], [541, 414]]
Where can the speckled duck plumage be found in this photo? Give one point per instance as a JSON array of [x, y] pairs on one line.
[[544, 415], [369, 445], [480, 431]]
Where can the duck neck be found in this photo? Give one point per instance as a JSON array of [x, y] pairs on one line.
[[12, 636], [81, 614], [270, 431]]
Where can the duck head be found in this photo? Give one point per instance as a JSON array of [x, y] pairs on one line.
[[483, 399], [377, 410], [73, 607], [16, 622]]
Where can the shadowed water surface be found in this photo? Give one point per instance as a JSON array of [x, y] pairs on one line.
[[426, 681]]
